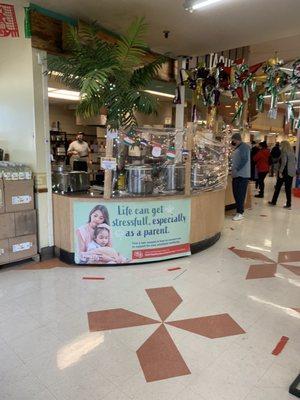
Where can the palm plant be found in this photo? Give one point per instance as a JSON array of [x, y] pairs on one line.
[[108, 75]]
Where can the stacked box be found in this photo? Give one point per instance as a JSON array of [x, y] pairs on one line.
[[18, 239]]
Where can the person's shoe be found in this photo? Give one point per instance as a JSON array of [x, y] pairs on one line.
[[260, 196], [287, 207], [238, 217], [271, 204]]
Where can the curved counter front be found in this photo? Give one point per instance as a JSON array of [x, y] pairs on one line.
[[91, 230]]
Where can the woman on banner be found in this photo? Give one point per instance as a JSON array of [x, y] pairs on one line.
[[85, 234]]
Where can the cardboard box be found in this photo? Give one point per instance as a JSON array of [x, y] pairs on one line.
[[18, 195], [7, 226], [4, 252], [25, 223], [22, 247], [2, 205]]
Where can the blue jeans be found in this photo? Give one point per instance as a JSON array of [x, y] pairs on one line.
[[239, 188]]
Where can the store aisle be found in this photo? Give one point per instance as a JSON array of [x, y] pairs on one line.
[[205, 331]]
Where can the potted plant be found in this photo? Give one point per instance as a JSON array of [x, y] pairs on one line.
[[109, 75]]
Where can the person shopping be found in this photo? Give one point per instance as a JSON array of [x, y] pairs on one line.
[[80, 153], [286, 173], [241, 172], [275, 157], [261, 160]]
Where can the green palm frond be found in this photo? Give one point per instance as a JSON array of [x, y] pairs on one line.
[[146, 103], [89, 106], [131, 48], [94, 81], [141, 77], [108, 75]]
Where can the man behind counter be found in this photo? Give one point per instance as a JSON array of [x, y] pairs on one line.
[[80, 153]]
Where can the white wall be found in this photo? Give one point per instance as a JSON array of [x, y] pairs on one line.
[[24, 123], [16, 94], [67, 119]]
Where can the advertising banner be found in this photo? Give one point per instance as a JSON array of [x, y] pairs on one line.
[[131, 232]]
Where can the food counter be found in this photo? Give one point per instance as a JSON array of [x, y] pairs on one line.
[[163, 198]]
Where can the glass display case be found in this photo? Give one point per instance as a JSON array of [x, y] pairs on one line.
[[157, 162]]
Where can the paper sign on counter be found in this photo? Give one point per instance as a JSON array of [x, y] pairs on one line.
[[112, 134], [21, 199], [21, 246], [109, 163]]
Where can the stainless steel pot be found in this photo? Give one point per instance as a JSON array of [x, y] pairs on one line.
[[198, 177], [61, 168], [60, 182], [139, 179], [174, 177], [79, 181]]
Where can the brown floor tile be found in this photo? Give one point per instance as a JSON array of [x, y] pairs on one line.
[[293, 268], [47, 264], [214, 326], [288, 256], [116, 319], [262, 271], [160, 358], [251, 255], [165, 300]]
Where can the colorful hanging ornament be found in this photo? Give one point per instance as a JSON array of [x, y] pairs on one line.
[[184, 152], [128, 141], [144, 142], [156, 150], [237, 118], [260, 103], [171, 153], [289, 113]]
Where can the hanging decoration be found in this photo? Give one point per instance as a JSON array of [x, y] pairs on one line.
[[260, 103], [289, 113], [239, 108], [177, 98], [8, 21], [128, 140], [272, 79], [156, 150], [171, 153]]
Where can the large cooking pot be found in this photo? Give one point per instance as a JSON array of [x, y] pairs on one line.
[[60, 182], [61, 168], [139, 179], [79, 181], [174, 177]]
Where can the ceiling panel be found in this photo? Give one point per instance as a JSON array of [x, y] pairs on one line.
[[224, 25]]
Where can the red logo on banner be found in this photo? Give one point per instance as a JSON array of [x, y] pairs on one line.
[[160, 252], [8, 21]]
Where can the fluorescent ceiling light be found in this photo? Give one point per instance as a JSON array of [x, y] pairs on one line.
[[63, 94], [197, 5], [291, 101], [170, 96]]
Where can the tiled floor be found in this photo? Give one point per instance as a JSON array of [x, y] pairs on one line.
[[146, 333]]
